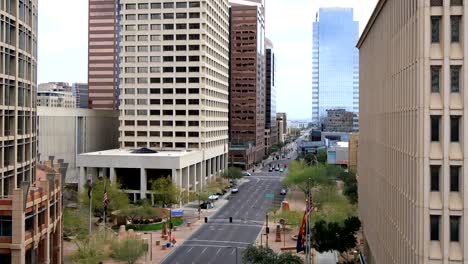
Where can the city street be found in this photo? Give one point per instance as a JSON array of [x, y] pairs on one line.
[[220, 241]]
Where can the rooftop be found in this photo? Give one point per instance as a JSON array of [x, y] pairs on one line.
[[129, 152]]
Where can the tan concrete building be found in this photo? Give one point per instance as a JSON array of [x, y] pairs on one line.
[[173, 118], [412, 147], [353, 152]]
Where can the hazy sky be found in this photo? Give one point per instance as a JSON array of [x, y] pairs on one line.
[[63, 44]]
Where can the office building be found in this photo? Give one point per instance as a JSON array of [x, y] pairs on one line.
[[103, 33], [80, 91], [338, 120], [334, 54], [412, 140], [281, 124], [56, 99], [247, 81], [18, 78], [174, 96], [270, 95]]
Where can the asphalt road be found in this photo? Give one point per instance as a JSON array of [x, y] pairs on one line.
[[219, 241]]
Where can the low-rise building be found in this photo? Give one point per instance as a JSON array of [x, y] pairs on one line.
[[338, 120], [31, 219], [337, 153], [136, 169], [67, 132], [56, 99], [353, 152]]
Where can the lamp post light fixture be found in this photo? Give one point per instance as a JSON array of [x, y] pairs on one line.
[[151, 245]]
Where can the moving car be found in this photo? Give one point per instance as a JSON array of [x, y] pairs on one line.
[[283, 191], [206, 205], [235, 190], [213, 197]]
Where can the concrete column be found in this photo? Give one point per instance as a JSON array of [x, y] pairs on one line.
[[112, 176], [218, 165], [193, 177], [209, 172], [174, 177], [185, 178], [142, 183], [18, 225], [203, 172], [200, 178], [82, 179]]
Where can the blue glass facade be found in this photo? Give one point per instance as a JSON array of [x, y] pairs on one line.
[[335, 63]]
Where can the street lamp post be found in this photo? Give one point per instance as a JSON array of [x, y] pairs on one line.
[[151, 245]]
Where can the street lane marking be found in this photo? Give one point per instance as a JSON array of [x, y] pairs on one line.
[[190, 249], [217, 241], [209, 246], [233, 250], [217, 252], [204, 250]]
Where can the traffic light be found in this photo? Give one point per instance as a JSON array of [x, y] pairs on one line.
[[206, 219], [230, 219]]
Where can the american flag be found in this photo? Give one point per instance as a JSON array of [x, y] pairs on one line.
[[304, 229], [104, 198]]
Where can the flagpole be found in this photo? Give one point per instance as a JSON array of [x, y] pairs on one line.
[[307, 248], [105, 208], [90, 196]]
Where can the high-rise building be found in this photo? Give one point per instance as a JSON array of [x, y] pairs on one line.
[[174, 96], [270, 93], [80, 91], [247, 81], [335, 63], [18, 85], [412, 140], [103, 32], [282, 125]]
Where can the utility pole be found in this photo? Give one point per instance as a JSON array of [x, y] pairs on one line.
[[266, 231]]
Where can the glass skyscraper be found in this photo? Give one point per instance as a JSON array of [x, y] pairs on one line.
[[335, 63]]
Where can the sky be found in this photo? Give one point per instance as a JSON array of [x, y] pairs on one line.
[[63, 44]]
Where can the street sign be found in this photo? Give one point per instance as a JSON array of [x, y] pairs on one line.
[[270, 195]]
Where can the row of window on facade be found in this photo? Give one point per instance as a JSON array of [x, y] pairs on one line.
[[159, 5], [157, 16], [435, 182], [441, 2], [436, 73], [455, 22], [455, 222], [454, 128], [145, 27]]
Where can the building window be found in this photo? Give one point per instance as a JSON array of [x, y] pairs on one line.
[[435, 227], [456, 2], [435, 29], [436, 2], [455, 78], [454, 128], [455, 228], [455, 28], [435, 78], [5, 225], [435, 178], [435, 128], [455, 178]]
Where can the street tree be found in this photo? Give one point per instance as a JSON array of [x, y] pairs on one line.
[[265, 255], [117, 199], [75, 223], [330, 236], [308, 177], [165, 191], [322, 156], [232, 173], [139, 213]]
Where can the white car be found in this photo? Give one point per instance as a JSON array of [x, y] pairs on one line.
[[235, 190], [213, 197], [246, 174]]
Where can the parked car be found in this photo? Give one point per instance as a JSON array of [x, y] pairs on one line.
[[281, 170], [206, 205], [246, 173], [270, 169], [235, 190], [277, 168], [213, 197], [283, 191]]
